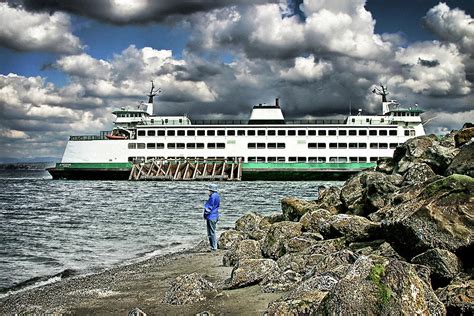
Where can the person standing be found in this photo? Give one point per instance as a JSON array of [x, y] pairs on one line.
[[211, 215]]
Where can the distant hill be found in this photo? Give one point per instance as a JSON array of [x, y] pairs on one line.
[[8, 160]]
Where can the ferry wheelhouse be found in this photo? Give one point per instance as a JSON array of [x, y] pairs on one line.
[[268, 145]]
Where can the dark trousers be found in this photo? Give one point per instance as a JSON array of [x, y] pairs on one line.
[[211, 233]]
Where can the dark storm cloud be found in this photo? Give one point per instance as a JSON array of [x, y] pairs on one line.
[[428, 63], [130, 12]]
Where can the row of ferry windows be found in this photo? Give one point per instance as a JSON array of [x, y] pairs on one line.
[[274, 159], [262, 132], [176, 146]]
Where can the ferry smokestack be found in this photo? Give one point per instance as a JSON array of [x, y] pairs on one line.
[[277, 102]]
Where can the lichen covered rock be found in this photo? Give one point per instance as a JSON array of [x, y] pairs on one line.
[[252, 271], [463, 163], [273, 245], [188, 289], [245, 249], [444, 265], [229, 237], [458, 296]]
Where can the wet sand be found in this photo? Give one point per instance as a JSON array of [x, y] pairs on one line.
[[143, 285]]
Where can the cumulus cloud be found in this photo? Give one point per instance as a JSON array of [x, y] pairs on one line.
[[452, 25], [126, 12], [307, 69], [25, 31]]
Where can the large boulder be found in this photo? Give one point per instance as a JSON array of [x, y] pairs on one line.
[[281, 282], [351, 227], [326, 247], [441, 216], [378, 286], [249, 224], [252, 271], [444, 265], [305, 298], [300, 243], [188, 289], [273, 245], [463, 163], [424, 149], [464, 136], [316, 221], [418, 172], [368, 191], [336, 263], [245, 249], [229, 237], [458, 296], [379, 248]]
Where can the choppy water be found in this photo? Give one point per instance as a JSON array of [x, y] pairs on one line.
[[49, 226]]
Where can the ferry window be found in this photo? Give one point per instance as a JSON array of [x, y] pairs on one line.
[[393, 145], [292, 159], [332, 132], [141, 133], [321, 159], [251, 132], [342, 145], [191, 133], [312, 159], [260, 159], [362, 132], [321, 133], [181, 133], [372, 132], [132, 146], [220, 132], [170, 133], [362, 159], [151, 146], [220, 145], [321, 145], [332, 145], [342, 132], [383, 132], [280, 145], [407, 133], [392, 133], [171, 145], [281, 133], [362, 145], [301, 133], [160, 132], [312, 132], [373, 159], [281, 159], [251, 145], [353, 120], [152, 121], [367, 120], [353, 145], [141, 146], [151, 133], [180, 120], [291, 132], [211, 132], [301, 159], [412, 133], [211, 145], [160, 145], [383, 145], [374, 145], [166, 121], [272, 159], [352, 132], [271, 132], [260, 145], [201, 132], [272, 145], [180, 145], [342, 159], [312, 145], [190, 145], [199, 145], [261, 132], [332, 159], [382, 120], [231, 132], [241, 132], [353, 159], [252, 159], [131, 159]]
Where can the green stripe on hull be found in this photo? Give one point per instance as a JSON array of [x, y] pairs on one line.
[[94, 165], [308, 166]]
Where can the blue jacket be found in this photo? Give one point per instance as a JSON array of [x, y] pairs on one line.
[[211, 208]]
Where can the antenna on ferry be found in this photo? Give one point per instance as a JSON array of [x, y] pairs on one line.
[[381, 91]]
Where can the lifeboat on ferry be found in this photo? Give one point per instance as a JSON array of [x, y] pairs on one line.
[[110, 136]]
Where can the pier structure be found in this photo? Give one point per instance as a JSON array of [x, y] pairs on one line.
[[186, 170]]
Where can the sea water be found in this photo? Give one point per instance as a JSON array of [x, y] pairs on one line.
[[49, 226]]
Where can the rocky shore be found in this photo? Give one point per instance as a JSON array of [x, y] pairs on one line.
[[390, 241]]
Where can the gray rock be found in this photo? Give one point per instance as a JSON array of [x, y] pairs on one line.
[[316, 221], [273, 245], [418, 172], [458, 296], [298, 244], [245, 249], [281, 282], [444, 265], [351, 227], [381, 287], [337, 263], [439, 217], [249, 224], [229, 237], [463, 137], [188, 289], [252, 271], [463, 163], [326, 247], [379, 248]]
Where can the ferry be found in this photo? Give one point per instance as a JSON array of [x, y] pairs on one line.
[[267, 145]]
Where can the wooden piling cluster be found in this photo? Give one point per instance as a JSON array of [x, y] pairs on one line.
[[186, 170]]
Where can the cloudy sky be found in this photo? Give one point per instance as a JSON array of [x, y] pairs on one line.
[[64, 65]]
